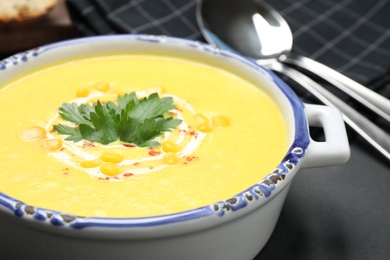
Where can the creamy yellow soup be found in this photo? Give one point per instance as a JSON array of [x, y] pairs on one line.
[[232, 135]]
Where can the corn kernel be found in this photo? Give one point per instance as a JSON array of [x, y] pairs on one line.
[[34, 133], [90, 163], [110, 169], [82, 92], [170, 158], [112, 157], [51, 145], [204, 128], [170, 146], [203, 123], [202, 120], [220, 121], [103, 86]]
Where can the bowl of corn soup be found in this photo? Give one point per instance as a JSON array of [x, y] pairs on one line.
[[149, 147]]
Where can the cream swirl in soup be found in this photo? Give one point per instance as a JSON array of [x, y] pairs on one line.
[[89, 156]]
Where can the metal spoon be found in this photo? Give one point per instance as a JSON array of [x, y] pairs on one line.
[[229, 25], [256, 30]]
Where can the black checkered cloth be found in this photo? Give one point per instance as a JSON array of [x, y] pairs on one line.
[[351, 36]]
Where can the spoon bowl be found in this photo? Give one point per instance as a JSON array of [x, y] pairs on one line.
[[256, 30], [246, 24]]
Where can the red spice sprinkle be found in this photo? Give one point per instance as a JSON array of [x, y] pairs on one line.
[[190, 159], [127, 174], [88, 144], [129, 145], [104, 179], [65, 171], [193, 133], [154, 152], [136, 163]]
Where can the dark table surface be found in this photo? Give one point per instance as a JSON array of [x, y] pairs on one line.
[[338, 212]]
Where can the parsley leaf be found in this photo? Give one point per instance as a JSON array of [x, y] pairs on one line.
[[105, 123], [72, 132], [73, 113], [131, 120]]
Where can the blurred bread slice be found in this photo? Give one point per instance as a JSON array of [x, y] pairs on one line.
[[24, 10]]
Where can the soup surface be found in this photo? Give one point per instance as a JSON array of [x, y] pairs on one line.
[[230, 136]]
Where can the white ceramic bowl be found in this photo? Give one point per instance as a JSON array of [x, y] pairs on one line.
[[236, 228]]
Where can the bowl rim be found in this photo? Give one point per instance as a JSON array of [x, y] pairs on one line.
[[263, 190]]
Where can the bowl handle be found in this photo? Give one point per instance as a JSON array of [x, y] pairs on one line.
[[335, 149]]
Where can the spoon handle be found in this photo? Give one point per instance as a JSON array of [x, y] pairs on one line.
[[364, 95], [378, 138]]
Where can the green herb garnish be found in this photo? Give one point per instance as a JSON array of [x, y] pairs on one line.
[[130, 120]]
